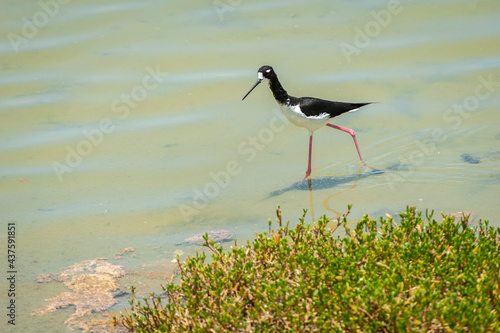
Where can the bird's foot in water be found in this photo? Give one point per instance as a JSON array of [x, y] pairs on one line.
[[374, 170], [307, 176]]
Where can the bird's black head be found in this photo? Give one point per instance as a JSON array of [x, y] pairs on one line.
[[265, 72]]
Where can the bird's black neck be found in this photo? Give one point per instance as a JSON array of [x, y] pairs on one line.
[[279, 93]]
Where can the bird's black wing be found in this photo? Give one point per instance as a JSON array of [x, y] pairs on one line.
[[311, 107]]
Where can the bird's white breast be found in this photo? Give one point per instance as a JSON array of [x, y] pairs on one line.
[[299, 119]]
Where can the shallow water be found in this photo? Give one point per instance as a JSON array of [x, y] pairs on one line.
[[122, 123]]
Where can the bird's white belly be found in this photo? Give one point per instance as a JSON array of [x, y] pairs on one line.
[[299, 119]]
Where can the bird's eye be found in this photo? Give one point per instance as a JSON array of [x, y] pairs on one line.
[[268, 70]]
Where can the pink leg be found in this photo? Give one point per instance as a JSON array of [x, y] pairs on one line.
[[308, 172], [351, 132]]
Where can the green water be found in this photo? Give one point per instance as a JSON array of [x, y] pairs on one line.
[[122, 123]]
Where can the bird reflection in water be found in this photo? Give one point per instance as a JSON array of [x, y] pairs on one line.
[[324, 183]]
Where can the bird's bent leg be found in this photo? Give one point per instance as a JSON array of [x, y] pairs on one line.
[[351, 132]]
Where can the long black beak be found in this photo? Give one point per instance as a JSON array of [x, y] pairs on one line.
[[255, 85]]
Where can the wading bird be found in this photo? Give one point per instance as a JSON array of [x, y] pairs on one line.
[[308, 112]]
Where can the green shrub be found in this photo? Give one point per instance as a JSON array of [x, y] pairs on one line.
[[383, 277]]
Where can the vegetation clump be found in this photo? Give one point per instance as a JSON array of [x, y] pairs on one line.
[[412, 276]]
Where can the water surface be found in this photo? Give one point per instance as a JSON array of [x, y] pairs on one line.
[[122, 123]]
